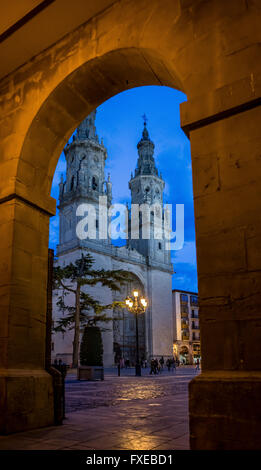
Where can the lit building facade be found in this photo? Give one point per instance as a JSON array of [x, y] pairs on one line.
[[148, 260], [186, 334]]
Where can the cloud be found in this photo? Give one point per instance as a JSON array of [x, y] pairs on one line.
[[54, 231], [186, 255], [185, 280]]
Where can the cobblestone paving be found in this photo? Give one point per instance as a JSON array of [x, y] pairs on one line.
[[124, 412], [83, 395]]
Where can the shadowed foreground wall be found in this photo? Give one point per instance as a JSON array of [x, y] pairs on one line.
[[210, 50]]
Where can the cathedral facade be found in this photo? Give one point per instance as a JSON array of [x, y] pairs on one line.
[[146, 259]]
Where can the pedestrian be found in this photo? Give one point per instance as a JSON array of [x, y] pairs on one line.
[[168, 364], [161, 361], [197, 364]]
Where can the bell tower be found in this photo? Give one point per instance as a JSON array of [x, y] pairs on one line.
[[85, 181], [147, 187]]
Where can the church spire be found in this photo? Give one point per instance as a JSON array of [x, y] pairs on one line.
[[87, 129], [146, 163], [146, 185], [85, 181], [147, 188], [85, 157]]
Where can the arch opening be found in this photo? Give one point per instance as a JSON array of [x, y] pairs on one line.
[[125, 171]]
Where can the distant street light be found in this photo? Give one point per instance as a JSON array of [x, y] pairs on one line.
[[137, 305]]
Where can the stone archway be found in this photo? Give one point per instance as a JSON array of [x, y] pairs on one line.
[[211, 54], [124, 328]]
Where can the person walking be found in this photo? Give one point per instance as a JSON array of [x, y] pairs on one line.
[[173, 364], [161, 361], [152, 366]]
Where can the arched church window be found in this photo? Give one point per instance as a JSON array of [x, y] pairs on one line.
[[94, 183]]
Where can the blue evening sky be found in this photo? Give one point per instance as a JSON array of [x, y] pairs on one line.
[[119, 122]]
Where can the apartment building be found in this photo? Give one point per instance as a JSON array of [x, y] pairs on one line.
[[186, 334]]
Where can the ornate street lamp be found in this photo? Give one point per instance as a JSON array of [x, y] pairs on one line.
[[136, 305]]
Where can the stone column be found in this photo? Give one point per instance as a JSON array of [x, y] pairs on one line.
[[224, 399], [26, 392]]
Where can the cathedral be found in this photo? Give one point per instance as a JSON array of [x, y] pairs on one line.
[[147, 260]]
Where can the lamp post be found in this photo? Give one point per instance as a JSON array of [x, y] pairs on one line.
[[136, 305]]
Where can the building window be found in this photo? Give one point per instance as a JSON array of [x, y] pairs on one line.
[[194, 313], [160, 246], [52, 346], [183, 297], [94, 183], [193, 300]]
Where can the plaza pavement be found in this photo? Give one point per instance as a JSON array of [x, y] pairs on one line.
[[127, 412]]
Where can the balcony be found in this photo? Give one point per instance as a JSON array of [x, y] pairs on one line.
[[193, 315], [184, 314], [195, 338], [184, 326]]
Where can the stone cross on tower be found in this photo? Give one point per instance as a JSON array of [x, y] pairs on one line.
[[145, 119]]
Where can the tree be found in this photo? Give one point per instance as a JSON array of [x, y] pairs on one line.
[[85, 309], [91, 351]]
